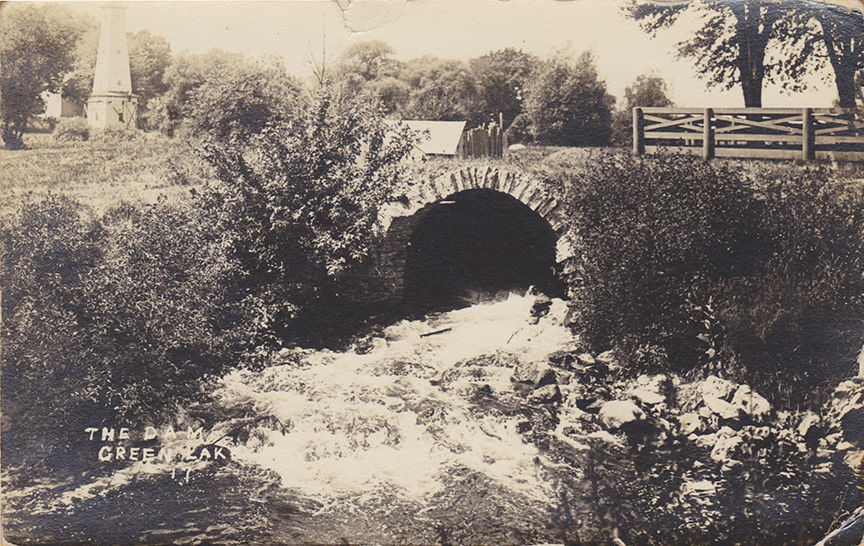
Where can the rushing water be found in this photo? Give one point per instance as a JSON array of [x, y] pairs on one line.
[[423, 434]]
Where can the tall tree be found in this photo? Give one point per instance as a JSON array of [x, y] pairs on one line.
[[648, 90], [501, 77], [237, 100], [442, 90], [827, 36], [186, 73], [369, 60], [567, 104], [368, 67], [36, 51], [730, 48], [843, 34], [149, 58]]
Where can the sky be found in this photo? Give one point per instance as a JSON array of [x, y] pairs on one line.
[[297, 30]]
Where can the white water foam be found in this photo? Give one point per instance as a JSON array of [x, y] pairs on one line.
[[402, 417]]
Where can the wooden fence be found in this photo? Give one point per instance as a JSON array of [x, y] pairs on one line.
[[777, 133], [482, 142]]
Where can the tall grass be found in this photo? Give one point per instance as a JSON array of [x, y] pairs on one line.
[[100, 172]]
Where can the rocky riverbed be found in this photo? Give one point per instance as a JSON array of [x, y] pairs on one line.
[[478, 426]]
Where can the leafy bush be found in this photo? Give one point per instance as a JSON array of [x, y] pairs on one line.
[[48, 376], [121, 315], [652, 235], [159, 300], [685, 265], [298, 209], [115, 135], [72, 129], [802, 316]]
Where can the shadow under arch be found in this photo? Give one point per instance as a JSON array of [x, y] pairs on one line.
[[474, 245]]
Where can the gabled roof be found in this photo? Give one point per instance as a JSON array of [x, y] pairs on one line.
[[437, 137]]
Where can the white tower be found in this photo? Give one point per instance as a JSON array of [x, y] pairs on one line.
[[112, 104]]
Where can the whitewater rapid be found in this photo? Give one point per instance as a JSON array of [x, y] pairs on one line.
[[403, 417]]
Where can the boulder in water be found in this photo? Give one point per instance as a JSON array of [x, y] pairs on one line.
[[615, 413], [549, 394], [586, 359], [547, 377]]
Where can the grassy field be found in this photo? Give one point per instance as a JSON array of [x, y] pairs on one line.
[[99, 173]]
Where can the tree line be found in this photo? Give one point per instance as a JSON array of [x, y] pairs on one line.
[[560, 100]]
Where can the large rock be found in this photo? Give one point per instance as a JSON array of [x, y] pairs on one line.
[[690, 423], [609, 360], [545, 377], [586, 359], [549, 394], [750, 402], [720, 407], [808, 421], [718, 388], [615, 413], [648, 389], [535, 372], [724, 448], [716, 393]]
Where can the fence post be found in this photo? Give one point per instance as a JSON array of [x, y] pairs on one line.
[[807, 139], [708, 135], [638, 132]]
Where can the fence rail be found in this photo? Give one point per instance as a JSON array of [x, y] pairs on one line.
[[777, 133]]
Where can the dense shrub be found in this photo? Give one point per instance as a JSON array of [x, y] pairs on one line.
[[72, 129], [159, 300], [652, 235], [48, 375], [802, 317], [298, 208], [117, 316], [683, 265]]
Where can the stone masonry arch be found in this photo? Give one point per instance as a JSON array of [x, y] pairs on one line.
[[400, 218]]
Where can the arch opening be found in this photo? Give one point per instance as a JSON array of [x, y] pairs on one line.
[[475, 245]]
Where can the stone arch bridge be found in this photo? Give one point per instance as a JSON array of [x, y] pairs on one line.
[[471, 231]]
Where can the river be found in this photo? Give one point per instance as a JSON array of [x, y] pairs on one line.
[[432, 431]]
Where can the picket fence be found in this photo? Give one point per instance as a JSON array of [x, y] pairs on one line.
[[482, 142]]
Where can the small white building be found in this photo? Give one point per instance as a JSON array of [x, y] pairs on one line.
[[450, 139], [112, 104], [58, 107], [439, 138]]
